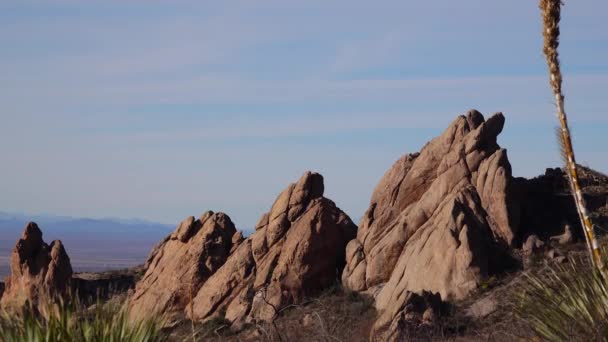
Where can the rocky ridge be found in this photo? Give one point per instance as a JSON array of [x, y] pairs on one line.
[[441, 222], [296, 251], [437, 220], [181, 263]]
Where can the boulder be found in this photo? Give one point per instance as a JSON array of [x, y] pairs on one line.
[[482, 307], [296, 251], [181, 263], [40, 273], [414, 309], [565, 238], [553, 254], [436, 216], [532, 244], [439, 220]]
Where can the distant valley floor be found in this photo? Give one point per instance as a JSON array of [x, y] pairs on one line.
[[93, 245], [100, 264]]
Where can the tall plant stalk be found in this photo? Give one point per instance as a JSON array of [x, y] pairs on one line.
[[550, 10]]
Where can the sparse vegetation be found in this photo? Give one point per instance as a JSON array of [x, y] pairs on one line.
[[565, 302], [569, 301], [337, 314], [67, 322]]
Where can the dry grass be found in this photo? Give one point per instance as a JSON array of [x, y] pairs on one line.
[[335, 315]]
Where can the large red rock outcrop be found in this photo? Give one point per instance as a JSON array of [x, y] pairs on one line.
[[181, 263], [436, 218], [296, 251], [40, 273]]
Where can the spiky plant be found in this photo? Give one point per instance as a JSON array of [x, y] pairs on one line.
[[550, 10], [68, 321], [564, 302]]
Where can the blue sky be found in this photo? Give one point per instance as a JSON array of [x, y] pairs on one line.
[[164, 109]]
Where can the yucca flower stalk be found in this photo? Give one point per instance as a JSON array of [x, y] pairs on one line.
[[550, 10]]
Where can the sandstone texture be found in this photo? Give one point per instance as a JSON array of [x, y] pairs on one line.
[[435, 214], [180, 264], [40, 273], [437, 219], [296, 251]]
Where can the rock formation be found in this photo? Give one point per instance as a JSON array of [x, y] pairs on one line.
[[547, 205], [437, 218], [532, 244], [296, 251], [181, 263], [565, 238], [93, 287], [39, 272]]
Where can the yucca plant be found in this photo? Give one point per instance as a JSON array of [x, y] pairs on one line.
[[565, 302], [551, 15], [66, 322]]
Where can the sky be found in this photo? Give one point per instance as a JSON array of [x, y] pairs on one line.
[[164, 109]]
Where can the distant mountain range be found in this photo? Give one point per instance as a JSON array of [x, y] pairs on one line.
[[92, 244]]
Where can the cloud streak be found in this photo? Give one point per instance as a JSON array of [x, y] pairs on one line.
[[163, 109]]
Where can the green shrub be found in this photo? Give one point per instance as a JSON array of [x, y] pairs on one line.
[[69, 322], [567, 302]]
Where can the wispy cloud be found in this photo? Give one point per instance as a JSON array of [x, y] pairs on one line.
[[161, 109]]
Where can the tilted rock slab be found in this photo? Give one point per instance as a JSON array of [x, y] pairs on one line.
[[296, 251], [181, 263], [40, 273], [436, 218]]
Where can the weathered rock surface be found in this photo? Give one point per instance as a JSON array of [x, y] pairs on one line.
[[483, 307], [565, 238], [435, 215], [39, 272], [296, 251], [438, 219], [180, 264]]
